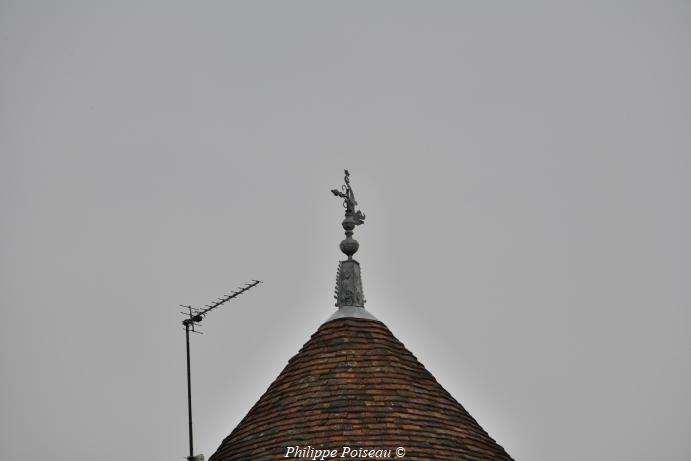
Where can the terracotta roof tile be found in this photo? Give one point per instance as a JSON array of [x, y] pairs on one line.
[[354, 384]]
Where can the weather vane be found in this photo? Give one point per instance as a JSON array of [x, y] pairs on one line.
[[349, 202], [348, 281]]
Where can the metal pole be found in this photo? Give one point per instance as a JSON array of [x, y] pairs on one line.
[[189, 389]]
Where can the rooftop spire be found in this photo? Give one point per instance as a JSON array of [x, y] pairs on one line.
[[348, 281]]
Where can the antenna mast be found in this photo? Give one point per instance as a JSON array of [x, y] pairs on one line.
[[194, 318]]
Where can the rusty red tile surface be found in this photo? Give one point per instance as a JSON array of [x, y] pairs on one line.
[[354, 384]]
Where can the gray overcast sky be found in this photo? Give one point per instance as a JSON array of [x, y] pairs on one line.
[[524, 168]]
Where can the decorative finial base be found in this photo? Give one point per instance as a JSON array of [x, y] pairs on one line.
[[349, 285]]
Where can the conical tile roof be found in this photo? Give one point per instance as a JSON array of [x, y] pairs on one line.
[[353, 384]]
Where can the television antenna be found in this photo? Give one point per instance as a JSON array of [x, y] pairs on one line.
[[192, 321]]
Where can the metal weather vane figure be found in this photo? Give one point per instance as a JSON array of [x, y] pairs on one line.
[[349, 202]]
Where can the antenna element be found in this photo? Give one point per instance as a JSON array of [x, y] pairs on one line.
[[193, 318]]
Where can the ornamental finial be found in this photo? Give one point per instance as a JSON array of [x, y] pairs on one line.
[[348, 281], [353, 217]]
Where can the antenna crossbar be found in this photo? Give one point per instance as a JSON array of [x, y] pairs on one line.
[[220, 301], [196, 315]]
